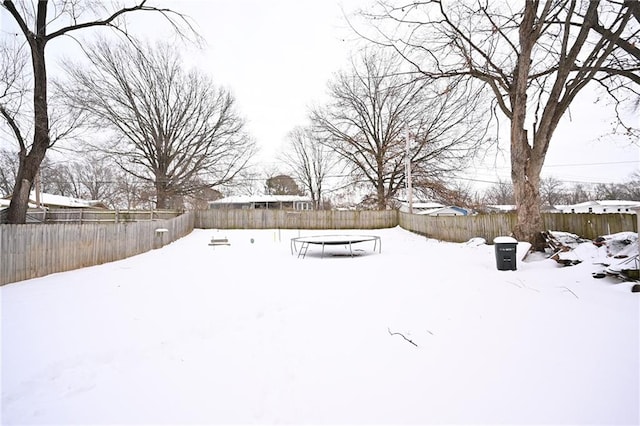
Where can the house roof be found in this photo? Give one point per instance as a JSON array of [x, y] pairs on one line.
[[606, 203], [443, 210], [51, 200], [502, 207], [422, 204], [246, 199], [427, 205]]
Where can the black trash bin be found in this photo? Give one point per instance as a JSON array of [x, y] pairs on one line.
[[505, 253]]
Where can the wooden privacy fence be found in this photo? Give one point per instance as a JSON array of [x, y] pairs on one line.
[[282, 219], [489, 226], [97, 216], [459, 228], [447, 228], [34, 250]]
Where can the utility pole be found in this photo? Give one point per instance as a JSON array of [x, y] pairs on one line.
[[408, 171]]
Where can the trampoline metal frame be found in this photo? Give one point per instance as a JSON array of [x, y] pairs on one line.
[[332, 240]]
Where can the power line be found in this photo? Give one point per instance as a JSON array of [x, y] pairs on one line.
[[575, 164], [591, 164]]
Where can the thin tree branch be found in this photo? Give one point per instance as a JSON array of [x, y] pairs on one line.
[[403, 336]]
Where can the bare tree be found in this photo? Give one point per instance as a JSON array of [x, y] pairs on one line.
[[534, 56], [39, 23], [366, 121], [8, 170], [200, 199], [632, 187], [128, 191], [13, 87], [282, 185], [628, 44], [57, 178], [610, 191], [170, 127], [500, 193], [552, 191], [578, 193], [311, 161], [458, 194], [96, 178]]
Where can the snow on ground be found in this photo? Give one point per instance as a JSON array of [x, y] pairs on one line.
[[252, 334]]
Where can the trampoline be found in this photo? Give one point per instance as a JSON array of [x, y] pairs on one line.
[[333, 240]]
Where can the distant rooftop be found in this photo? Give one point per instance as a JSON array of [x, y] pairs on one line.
[[243, 199], [51, 200]]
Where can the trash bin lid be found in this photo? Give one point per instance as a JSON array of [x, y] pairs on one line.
[[502, 240]]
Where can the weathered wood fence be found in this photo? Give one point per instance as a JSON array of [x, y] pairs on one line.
[[97, 216], [489, 226], [447, 228], [282, 219], [34, 250]]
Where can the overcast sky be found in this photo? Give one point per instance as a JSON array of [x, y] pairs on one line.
[[277, 56]]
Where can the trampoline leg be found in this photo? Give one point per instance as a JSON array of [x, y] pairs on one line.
[[303, 250]]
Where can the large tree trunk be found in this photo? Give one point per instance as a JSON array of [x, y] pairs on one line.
[[162, 194], [526, 184], [380, 194], [27, 171], [526, 163], [30, 163]]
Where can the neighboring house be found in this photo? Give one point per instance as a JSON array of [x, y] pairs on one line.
[[51, 201], [548, 208], [500, 208], [445, 211], [270, 202], [419, 206], [602, 206], [433, 209]]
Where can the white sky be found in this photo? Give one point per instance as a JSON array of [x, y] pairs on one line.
[[277, 56]]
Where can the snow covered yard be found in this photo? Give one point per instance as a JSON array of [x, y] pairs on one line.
[[425, 332]]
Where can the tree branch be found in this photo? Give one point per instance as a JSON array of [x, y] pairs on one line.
[[14, 127], [402, 335]]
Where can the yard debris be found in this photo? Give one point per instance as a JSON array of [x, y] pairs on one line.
[[622, 253], [617, 253], [563, 245]]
